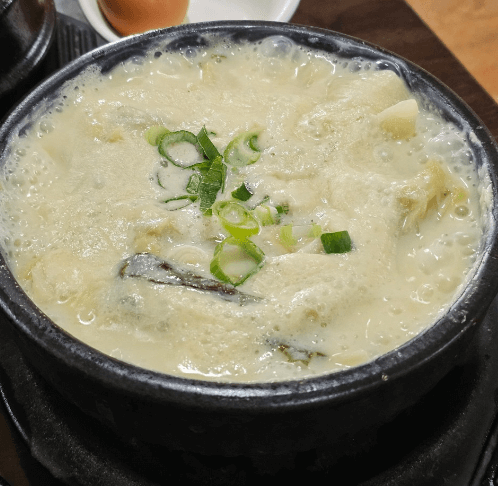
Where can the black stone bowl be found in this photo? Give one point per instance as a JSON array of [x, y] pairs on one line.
[[337, 410], [27, 29]]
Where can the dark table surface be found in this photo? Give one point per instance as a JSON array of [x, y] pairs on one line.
[[391, 24]]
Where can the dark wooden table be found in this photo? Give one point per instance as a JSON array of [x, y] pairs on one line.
[[391, 24]]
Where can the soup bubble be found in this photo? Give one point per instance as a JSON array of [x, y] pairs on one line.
[[277, 46]]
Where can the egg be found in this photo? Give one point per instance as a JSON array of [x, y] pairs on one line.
[[132, 17]]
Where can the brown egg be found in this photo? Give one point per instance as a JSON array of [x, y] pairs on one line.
[[135, 16]]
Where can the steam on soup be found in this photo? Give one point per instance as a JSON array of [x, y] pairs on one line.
[[241, 213]]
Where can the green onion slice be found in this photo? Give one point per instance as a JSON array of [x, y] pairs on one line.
[[207, 146], [180, 148], [291, 235], [315, 231], [267, 215], [338, 242], [253, 142], [243, 149], [202, 167], [223, 176], [236, 260], [242, 193], [193, 183], [164, 180], [155, 134], [158, 180], [286, 237], [282, 209], [179, 202], [236, 219], [211, 183]]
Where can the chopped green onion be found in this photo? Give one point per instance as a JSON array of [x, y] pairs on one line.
[[211, 183], [164, 180], [243, 150], [242, 193], [315, 231], [158, 180], [202, 167], [282, 209], [286, 237], [291, 235], [236, 219], [179, 202], [266, 215], [253, 142], [180, 140], [207, 146], [223, 176], [155, 134], [338, 242], [236, 260], [193, 183]]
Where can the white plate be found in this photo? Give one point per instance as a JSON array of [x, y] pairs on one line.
[[206, 10]]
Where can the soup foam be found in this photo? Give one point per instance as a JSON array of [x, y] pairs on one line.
[[344, 146]]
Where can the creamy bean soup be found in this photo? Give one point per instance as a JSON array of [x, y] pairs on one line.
[[242, 213]]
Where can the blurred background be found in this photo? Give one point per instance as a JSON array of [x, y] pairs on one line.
[[469, 28]]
